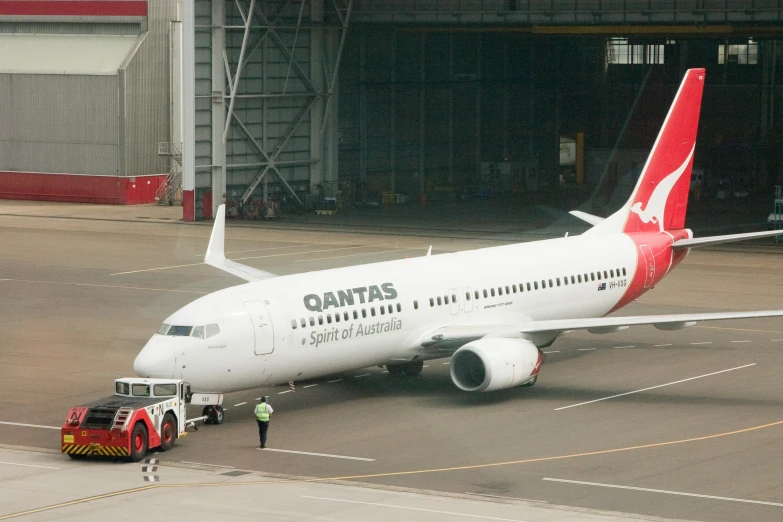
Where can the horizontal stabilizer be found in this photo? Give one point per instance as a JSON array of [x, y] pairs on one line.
[[584, 216], [216, 254], [714, 240]]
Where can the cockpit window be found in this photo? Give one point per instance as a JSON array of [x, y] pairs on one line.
[[198, 331], [163, 330], [212, 330], [181, 331]]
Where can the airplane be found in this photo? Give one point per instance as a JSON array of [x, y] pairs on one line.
[[491, 310]]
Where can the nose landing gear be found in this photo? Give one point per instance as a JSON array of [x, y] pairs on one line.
[[213, 414]]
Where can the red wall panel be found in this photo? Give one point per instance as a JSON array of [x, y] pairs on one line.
[[113, 190], [74, 8]]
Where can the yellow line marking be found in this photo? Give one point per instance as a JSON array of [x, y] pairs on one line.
[[398, 473], [109, 286], [738, 329]]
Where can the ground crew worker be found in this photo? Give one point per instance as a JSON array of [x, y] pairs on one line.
[[263, 413]]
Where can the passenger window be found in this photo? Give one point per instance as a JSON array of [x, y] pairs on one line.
[[611, 273], [304, 324], [565, 281], [592, 276], [476, 294], [320, 319], [550, 284], [372, 311], [606, 276], [485, 294], [415, 305], [440, 302], [399, 307], [507, 292], [364, 312], [453, 298], [467, 296], [446, 299], [198, 331], [528, 287], [355, 314], [213, 329], [492, 292], [391, 308], [500, 290], [543, 283], [312, 322], [382, 309], [573, 280], [345, 316], [579, 278], [514, 288], [599, 275], [535, 285], [432, 302], [293, 324], [337, 317], [329, 318], [623, 271]]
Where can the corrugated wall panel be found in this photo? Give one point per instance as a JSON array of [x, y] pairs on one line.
[[59, 123], [147, 104], [69, 28], [203, 93]]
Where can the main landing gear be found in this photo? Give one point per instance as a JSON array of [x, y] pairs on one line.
[[213, 414], [410, 369]]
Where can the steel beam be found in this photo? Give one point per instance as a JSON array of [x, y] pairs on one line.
[[220, 72]]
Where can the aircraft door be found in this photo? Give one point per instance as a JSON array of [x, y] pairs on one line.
[[454, 300], [263, 330], [468, 293], [649, 263]]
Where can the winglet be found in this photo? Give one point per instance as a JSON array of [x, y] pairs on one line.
[[429, 251], [216, 249], [216, 255]]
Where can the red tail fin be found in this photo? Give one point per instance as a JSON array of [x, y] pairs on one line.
[[660, 198]]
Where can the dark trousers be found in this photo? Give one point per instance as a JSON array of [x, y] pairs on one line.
[[262, 428]]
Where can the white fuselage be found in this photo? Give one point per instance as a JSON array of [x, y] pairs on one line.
[[259, 345]]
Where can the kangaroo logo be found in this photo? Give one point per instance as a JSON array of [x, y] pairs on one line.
[[656, 205]]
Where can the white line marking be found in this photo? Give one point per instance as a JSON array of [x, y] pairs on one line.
[[362, 375], [30, 425], [414, 509], [666, 491], [619, 347], [553, 351], [258, 398], [317, 454], [450, 363], [240, 404], [508, 498], [585, 349], [153, 269], [773, 340], [336, 380], [286, 391], [426, 366], [658, 345], [258, 250], [703, 342], [27, 465], [91, 285], [350, 255], [385, 371], [309, 386], [742, 341], [654, 387], [205, 464]]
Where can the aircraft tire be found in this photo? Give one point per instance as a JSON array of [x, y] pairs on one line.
[[413, 369], [394, 369]]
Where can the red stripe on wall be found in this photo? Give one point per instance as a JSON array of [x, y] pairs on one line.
[[112, 190], [74, 8]]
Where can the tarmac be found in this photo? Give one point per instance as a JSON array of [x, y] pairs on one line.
[[651, 424]]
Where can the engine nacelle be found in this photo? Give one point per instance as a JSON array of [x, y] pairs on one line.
[[495, 364]]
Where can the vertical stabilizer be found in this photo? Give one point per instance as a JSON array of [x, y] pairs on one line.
[[660, 199]]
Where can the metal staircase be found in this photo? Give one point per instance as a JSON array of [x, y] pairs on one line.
[[171, 188]]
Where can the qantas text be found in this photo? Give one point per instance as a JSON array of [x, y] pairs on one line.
[[365, 294]]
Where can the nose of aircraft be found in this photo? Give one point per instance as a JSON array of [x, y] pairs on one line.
[[156, 360]]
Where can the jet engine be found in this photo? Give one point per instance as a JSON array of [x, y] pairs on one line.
[[495, 364]]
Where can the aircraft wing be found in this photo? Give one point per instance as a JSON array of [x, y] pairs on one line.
[[452, 335], [216, 257]]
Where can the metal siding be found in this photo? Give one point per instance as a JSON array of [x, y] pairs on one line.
[[203, 120], [59, 123], [147, 95], [69, 28]]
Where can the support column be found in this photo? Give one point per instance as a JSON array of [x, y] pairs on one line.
[[422, 111], [479, 83], [393, 113], [330, 125], [451, 109], [188, 111], [317, 110], [218, 106], [363, 105]]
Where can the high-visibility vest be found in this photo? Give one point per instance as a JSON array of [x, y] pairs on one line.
[[261, 413]]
